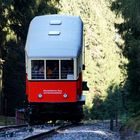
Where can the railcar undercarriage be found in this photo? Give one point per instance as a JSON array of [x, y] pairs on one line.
[[41, 113]]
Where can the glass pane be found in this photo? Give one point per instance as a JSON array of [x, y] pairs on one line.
[[52, 69], [37, 71], [67, 71], [78, 66]]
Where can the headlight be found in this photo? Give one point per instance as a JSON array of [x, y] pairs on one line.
[[65, 95], [40, 95]]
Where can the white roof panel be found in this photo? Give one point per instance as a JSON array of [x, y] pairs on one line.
[[54, 36]]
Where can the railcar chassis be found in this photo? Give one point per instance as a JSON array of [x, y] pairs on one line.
[[41, 113]]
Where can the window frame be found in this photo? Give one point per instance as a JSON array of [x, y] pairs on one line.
[[74, 66], [79, 64], [46, 69], [45, 59], [31, 69]]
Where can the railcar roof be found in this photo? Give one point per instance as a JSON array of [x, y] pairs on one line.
[[54, 36]]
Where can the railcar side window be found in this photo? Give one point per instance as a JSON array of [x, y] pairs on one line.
[[52, 69], [79, 69], [67, 71], [37, 70], [78, 63]]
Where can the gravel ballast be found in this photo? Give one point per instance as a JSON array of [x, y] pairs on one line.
[[97, 131]]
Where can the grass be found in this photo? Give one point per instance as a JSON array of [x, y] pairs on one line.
[[4, 120], [133, 123]]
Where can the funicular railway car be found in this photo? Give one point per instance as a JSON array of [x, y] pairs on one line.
[[53, 53]]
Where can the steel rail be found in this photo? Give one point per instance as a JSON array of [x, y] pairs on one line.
[[49, 132], [4, 128], [5, 131]]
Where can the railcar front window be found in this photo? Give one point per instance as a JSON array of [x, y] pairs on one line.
[[67, 71], [52, 69], [37, 69]]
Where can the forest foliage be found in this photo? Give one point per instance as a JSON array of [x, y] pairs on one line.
[[112, 48], [130, 31], [104, 59], [15, 18]]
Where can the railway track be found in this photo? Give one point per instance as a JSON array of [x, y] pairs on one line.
[[4, 128], [10, 131], [63, 131], [50, 132], [35, 132]]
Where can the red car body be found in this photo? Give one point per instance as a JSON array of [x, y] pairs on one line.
[[53, 91]]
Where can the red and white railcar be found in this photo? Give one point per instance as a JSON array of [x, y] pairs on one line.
[[54, 50]]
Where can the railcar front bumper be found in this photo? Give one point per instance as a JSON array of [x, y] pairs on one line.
[[82, 100]]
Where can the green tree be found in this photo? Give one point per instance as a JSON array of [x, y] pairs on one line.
[[98, 111], [2, 26], [104, 57], [19, 13], [114, 104], [110, 108], [130, 30], [3, 32]]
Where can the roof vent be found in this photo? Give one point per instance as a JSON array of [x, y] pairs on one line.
[[55, 22], [54, 33]]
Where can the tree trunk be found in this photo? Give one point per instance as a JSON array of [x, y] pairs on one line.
[[111, 124], [0, 89], [116, 118]]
